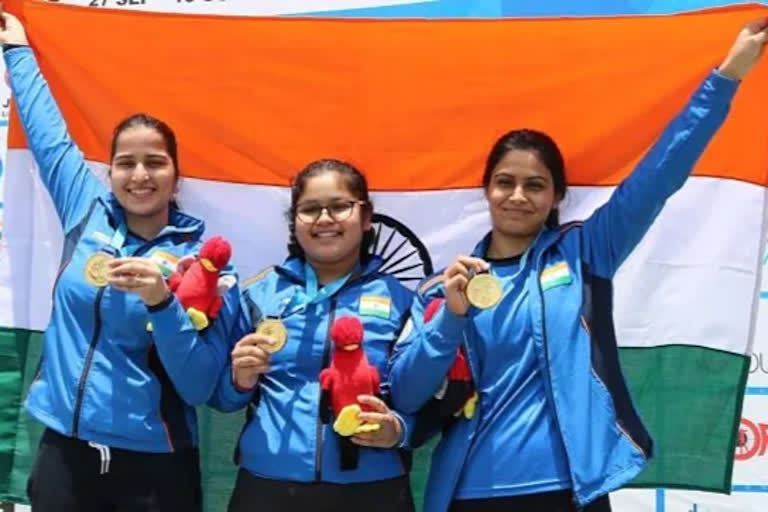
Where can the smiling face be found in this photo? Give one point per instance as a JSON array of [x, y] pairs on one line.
[[521, 194], [330, 221], [142, 174]]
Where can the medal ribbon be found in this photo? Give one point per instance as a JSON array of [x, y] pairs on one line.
[[117, 240], [312, 293], [523, 262]]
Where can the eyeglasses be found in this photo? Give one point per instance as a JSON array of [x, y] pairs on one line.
[[339, 210]]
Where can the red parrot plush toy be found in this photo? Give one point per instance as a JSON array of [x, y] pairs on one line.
[[457, 393], [348, 376], [197, 284]]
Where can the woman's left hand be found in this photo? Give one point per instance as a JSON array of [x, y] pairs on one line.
[[388, 434], [746, 50], [141, 276]]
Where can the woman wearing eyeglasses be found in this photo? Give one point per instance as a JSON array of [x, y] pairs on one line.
[[289, 454]]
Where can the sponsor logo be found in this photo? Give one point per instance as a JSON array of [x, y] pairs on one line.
[[758, 363], [752, 440]]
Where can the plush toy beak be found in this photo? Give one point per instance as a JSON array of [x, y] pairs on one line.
[[350, 348], [205, 262]]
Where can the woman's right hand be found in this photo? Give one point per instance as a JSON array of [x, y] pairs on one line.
[[455, 279], [249, 360], [12, 31]]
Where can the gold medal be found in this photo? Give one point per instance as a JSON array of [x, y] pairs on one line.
[[275, 330], [97, 269], [483, 291]]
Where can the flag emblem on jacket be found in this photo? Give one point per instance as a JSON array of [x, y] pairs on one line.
[[166, 261], [374, 305], [555, 275]]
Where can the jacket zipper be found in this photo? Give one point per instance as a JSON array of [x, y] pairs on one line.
[[88, 362], [92, 348], [547, 374], [319, 423]]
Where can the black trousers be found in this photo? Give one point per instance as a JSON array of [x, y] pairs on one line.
[[67, 477], [254, 494], [557, 501]]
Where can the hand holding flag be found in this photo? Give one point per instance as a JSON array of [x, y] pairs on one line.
[[12, 31], [746, 50]]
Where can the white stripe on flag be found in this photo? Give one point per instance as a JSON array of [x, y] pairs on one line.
[[690, 281]]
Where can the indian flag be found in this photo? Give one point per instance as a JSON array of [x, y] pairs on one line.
[[166, 261], [417, 104], [375, 306], [555, 275]]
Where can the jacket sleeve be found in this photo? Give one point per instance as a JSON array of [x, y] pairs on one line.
[[423, 355], [227, 397], [70, 183], [194, 360], [613, 231]]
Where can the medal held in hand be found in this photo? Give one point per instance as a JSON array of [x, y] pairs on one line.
[[483, 291], [275, 330], [97, 269]]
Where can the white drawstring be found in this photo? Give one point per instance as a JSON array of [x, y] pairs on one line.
[[106, 455]]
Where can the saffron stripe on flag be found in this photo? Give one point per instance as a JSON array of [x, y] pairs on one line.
[[375, 74]]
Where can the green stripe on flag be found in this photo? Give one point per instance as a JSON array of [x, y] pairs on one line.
[[420, 470], [19, 434], [690, 400], [219, 434], [555, 281]]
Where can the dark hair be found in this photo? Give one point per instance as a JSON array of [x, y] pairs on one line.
[[547, 151], [356, 184], [165, 131]]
